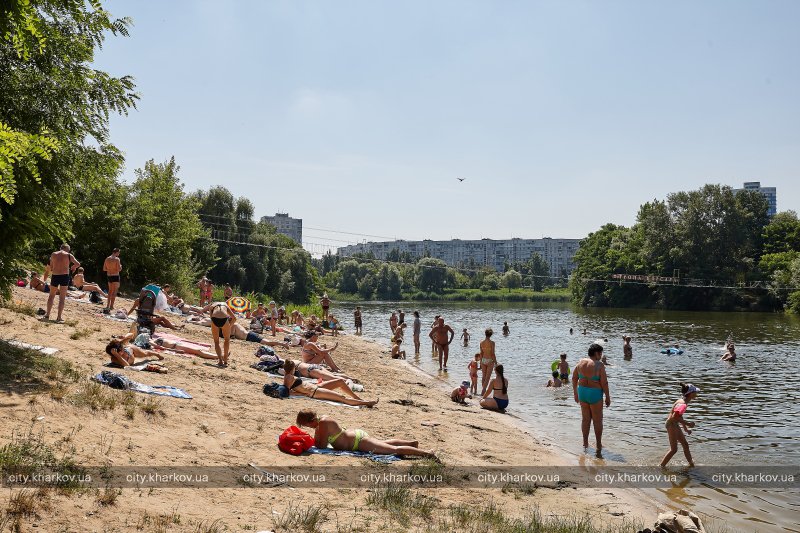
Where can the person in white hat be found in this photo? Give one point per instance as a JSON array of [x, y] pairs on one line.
[[675, 421]]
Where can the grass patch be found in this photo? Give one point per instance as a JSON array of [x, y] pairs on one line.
[[95, 396], [468, 519], [18, 307], [22, 366], [28, 453], [216, 526], [81, 333], [108, 496], [152, 406], [308, 519], [402, 503]]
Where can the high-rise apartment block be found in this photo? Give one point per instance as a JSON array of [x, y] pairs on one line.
[[558, 253], [286, 225], [769, 193]]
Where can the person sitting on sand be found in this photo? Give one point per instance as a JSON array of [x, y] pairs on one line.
[[150, 318], [178, 303], [730, 353], [124, 354], [397, 353], [312, 353], [79, 281], [37, 284], [675, 420], [499, 400], [327, 431], [459, 395], [323, 390], [555, 381]]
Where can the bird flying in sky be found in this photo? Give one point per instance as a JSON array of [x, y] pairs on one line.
[[460, 179]]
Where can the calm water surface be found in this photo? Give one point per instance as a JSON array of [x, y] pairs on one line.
[[747, 412]]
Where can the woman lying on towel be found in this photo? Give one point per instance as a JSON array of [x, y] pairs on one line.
[[125, 354], [328, 431], [182, 347], [321, 391]]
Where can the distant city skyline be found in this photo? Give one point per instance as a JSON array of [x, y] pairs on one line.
[[360, 117]]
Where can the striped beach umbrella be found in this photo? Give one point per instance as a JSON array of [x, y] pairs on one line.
[[239, 304]]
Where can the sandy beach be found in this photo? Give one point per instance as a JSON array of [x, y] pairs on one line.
[[230, 422]]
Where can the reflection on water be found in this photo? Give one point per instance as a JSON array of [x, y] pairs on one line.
[[746, 414]]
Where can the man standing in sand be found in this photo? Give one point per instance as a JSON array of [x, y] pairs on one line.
[[325, 302], [112, 266], [62, 262], [439, 336]]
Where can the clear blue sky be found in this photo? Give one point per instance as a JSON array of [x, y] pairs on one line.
[[561, 115]]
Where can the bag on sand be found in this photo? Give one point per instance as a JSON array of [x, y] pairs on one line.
[[94, 297], [295, 441], [681, 521], [272, 389]]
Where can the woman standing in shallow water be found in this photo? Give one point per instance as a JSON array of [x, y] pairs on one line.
[[675, 420], [589, 384]]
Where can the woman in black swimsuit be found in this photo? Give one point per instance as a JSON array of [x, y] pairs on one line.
[[221, 320]]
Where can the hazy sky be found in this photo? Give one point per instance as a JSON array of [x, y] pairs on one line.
[[561, 115]]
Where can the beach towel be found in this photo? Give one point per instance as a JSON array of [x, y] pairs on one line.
[[45, 350], [174, 338], [140, 367], [329, 402], [117, 381], [362, 455]]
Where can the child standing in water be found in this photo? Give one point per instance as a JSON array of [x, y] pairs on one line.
[[465, 337], [675, 421], [473, 367]]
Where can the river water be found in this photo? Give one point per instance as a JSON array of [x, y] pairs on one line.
[[747, 413]]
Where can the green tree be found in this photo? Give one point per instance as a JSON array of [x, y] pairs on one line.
[[366, 286], [431, 275], [782, 234], [388, 283], [539, 271], [512, 280], [54, 112], [163, 226]]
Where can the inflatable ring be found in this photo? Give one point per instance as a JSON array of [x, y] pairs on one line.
[[555, 364]]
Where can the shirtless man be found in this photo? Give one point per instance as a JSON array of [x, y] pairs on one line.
[[112, 267], [61, 264], [393, 322], [417, 329], [80, 282], [239, 332], [439, 336], [325, 302]]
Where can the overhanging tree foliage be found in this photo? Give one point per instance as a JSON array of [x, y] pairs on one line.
[[54, 110]]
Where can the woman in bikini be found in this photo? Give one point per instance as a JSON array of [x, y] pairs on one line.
[[182, 347], [313, 354], [321, 391], [221, 320], [124, 354], [306, 370], [675, 421], [499, 391], [327, 431], [37, 284], [589, 384], [488, 360]]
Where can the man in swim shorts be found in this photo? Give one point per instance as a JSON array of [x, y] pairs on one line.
[[112, 267], [439, 335], [251, 336], [62, 262], [563, 368]]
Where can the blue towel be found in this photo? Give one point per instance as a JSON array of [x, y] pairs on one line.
[[158, 390], [363, 455]]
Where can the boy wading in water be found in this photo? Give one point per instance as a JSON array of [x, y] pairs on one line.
[[675, 421]]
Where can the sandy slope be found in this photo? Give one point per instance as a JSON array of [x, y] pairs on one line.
[[230, 422]]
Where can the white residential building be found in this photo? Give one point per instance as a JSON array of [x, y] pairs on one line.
[[286, 225], [558, 253], [769, 193]]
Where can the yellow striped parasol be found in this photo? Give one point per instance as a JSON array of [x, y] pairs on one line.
[[239, 304]]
